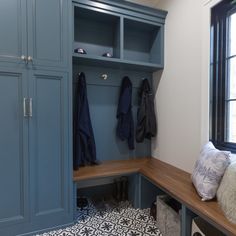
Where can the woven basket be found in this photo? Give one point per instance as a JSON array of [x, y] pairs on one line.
[[168, 219]]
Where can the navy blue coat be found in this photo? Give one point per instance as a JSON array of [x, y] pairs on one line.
[[84, 143], [125, 127]]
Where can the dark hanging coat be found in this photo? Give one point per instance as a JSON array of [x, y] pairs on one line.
[[125, 127], [84, 143], [146, 118]]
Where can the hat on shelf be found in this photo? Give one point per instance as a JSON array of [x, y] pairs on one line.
[[80, 51], [107, 54]]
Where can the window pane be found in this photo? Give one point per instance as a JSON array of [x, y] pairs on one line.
[[231, 126], [232, 35], [232, 79]]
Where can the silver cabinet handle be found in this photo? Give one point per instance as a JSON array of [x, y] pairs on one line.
[[30, 107], [24, 107], [30, 59], [23, 58]]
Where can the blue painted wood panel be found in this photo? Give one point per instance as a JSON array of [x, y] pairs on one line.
[[103, 98], [13, 149], [186, 221], [134, 190], [148, 192], [48, 135], [48, 32], [13, 31]]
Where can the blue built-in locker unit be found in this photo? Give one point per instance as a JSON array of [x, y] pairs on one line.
[[38, 73], [134, 36], [135, 40]]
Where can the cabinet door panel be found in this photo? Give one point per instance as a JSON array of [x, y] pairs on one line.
[[13, 38], [49, 147], [47, 32], [13, 149]]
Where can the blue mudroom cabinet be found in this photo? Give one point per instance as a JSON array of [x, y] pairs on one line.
[[35, 163], [34, 31]]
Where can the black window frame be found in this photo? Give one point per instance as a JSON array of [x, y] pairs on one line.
[[218, 73]]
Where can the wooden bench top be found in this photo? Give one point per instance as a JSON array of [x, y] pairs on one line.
[[110, 168], [172, 180]]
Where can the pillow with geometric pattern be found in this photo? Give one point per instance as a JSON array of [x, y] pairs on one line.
[[209, 170]]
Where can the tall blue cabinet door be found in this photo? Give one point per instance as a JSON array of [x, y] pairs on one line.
[[13, 40], [48, 140], [14, 195], [47, 32]]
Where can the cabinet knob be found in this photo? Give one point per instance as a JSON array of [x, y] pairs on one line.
[[23, 58], [30, 59]]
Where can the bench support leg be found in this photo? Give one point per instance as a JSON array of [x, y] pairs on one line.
[[75, 200], [139, 190], [186, 221]]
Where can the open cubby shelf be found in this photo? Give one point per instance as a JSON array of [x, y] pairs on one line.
[[142, 42], [134, 43], [96, 32]]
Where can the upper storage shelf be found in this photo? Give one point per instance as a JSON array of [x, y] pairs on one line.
[[97, 33], [133, 36], [142, 42]]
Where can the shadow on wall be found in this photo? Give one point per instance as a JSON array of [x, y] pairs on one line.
[[156, 80], [155, 83]]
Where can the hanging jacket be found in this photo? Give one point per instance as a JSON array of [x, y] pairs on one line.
[[84, 143], [146, 118], [125, 127]]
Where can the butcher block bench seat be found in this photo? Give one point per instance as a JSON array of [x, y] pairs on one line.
[[177, 183], [110, 168]]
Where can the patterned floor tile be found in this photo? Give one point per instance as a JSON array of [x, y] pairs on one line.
[[114, 220]]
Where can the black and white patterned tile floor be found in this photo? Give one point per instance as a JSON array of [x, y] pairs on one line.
[[122, 220]]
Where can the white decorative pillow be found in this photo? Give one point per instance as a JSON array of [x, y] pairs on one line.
[[209, 170], [226, 193]]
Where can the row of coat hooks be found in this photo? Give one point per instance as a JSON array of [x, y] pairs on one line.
[[105, 77]]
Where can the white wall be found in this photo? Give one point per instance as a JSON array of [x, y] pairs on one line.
[[178, 97], [182, 97]]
